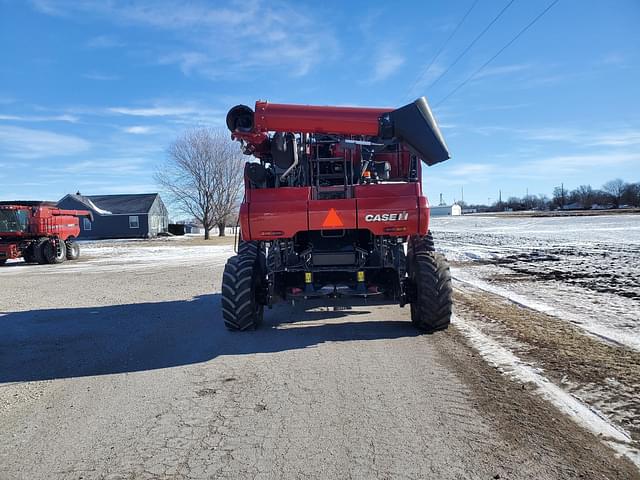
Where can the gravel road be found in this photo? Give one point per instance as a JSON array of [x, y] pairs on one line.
[[118, 368]]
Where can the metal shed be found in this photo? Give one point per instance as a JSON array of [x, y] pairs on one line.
[[444, 210]]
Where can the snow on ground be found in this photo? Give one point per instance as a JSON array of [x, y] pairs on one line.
[[511, 365], [581, 270], [128, 255], [585, 270]]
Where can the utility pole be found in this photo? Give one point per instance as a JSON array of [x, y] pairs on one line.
[[462, 194]]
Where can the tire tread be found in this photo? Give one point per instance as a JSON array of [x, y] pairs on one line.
[[432, 307], [238, 304]]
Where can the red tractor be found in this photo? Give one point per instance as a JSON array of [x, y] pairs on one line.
[[39, 232], [333, 209]]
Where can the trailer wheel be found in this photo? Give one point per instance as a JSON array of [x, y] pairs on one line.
[[54, 251], [73, 250], [432, 302], [242, 284]]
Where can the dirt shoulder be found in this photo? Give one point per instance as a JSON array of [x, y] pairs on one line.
[[602, 374], [528, 422]]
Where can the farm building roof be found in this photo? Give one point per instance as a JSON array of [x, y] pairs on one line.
[[118, 204]]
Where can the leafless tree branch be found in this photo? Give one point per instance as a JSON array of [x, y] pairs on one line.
[[203, 175]]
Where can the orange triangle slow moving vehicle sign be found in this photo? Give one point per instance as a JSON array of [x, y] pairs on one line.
[[332, 220]]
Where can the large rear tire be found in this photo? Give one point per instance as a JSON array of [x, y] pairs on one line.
[[38, 250], [242, 286], [433, 294], [419, 244], [73, 250], [54, 251]]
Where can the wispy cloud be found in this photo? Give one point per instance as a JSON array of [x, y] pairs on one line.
[[102, 77], [103, 166], [138, 129], [387, 64], [216, 40], [527, 168], [596, 137], [546, 80], [619, 138], [462, 173], [40, 118], [188, 62], [104, 41], [6, 99], [472, 169], [503, 70], [424, 78], [27, 143], [614, 59], [189, 113], [574, 163], [506, 106], [156, 111]]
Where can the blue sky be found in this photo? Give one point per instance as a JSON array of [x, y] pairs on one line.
[[91, 93]]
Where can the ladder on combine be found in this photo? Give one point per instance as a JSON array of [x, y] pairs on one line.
[[331, 177]]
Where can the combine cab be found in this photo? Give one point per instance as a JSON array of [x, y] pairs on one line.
[[39, 232], [333, 208]]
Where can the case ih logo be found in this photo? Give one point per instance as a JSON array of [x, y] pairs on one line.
[[387, 217]]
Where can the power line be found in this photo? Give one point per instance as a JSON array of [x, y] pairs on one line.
[[495, 19], [529, 25], [442, 47]]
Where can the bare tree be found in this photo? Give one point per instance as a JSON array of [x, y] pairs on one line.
[[616, 189], [584, 195], [632, 194], [203, 175], [559, 196]]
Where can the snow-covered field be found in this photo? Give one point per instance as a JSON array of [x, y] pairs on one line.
[[585, 270]]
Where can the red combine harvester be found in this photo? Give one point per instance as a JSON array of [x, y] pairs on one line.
[[39, 232], [334, 209]]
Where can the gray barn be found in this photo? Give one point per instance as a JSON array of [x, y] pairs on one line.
[[120, 216]]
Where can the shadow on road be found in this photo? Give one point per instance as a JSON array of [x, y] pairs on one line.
[[73, 342]]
